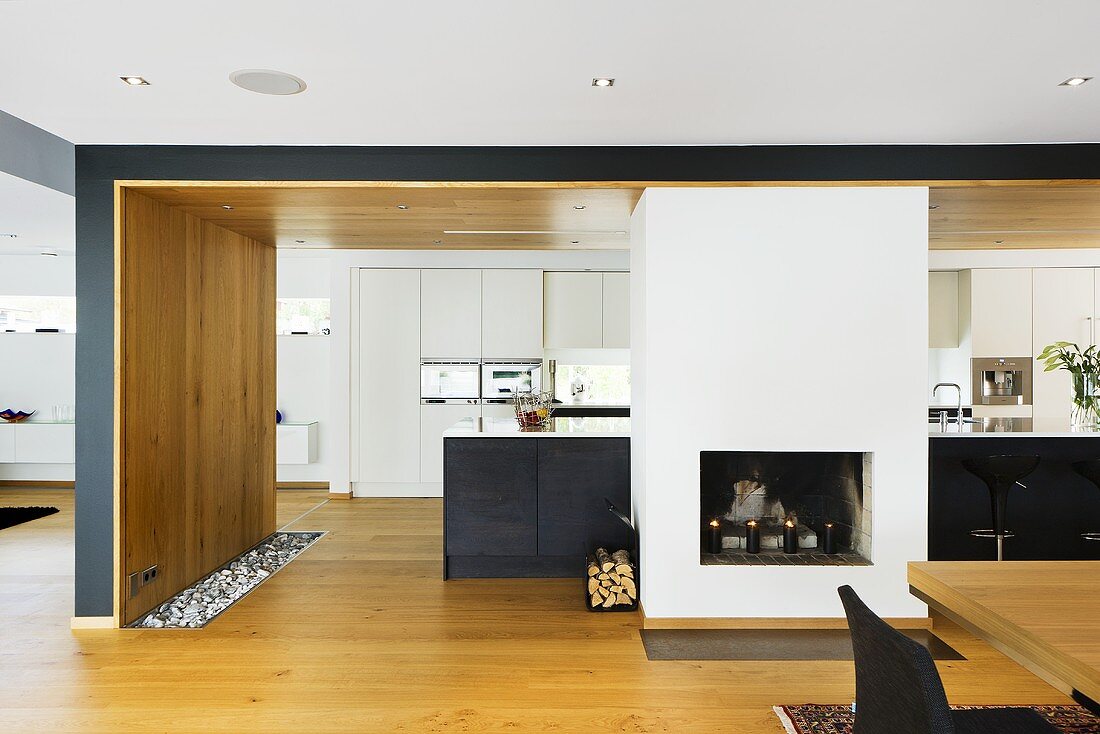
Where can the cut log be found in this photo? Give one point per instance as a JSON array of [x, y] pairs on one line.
[[597, 600], [609, 601], [602, 557], [603, 576], [621, 556], [593, 568], [624, 570], [630, 588], [593, 584], [616, 578], [623, 599]]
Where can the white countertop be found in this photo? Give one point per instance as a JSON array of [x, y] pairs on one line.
[[558, 427], [1018, 427]]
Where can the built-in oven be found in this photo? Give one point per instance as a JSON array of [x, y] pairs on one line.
[[450, 381], [502, 379]]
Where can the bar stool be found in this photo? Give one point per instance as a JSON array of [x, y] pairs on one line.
[[1000, 474], [1090, 470]]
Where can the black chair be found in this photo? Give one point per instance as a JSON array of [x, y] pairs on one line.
[[1090, 470], [1000, 474], [899, 691]]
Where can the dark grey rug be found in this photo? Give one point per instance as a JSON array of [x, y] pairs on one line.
[[15, 515], [770, 644]]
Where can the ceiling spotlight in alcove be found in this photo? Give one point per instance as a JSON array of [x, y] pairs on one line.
[[1075, 81], [267, 81], [603, 81], [227, 207], [402, 207], [134, 81], [580, 207]]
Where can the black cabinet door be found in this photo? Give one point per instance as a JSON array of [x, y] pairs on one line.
[[490, 496], [575, 475]]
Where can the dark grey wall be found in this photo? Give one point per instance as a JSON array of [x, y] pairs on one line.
[[36, 155], [98, 166]]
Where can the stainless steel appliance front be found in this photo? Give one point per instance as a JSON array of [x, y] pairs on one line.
[[500, 380], [1001, 380], [451, 380]]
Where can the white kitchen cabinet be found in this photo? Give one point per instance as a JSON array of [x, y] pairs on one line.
[[45, 443], [450, 314], [1064, 301], [511, 314], [498, 411], [389, 376], [7, 444], [573, 310], [943, 310], [296, 443], [1000, 315], [434, 419], [616, 310]]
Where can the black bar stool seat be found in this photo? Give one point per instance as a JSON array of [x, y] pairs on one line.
[[1000, 474], [1090, 470]]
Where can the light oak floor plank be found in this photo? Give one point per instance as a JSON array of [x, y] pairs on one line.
[[360, 634]]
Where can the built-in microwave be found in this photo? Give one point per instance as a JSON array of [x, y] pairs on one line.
[[500, 380], [450, 380]]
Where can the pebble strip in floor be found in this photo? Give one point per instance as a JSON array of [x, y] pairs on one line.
[[196, 605]]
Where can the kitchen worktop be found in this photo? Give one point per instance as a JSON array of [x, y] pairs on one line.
[[558, 427], [1018, 427]]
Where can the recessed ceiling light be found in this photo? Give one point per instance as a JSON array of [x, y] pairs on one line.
[[49, 254], [603, 81], [574, 242], [437, 242], [998, 242], [933, 206], [134, 81], [402, 207], [266, 81], [227, 207], [300, 242], [9, 235], [1075, 81], [579, 207]]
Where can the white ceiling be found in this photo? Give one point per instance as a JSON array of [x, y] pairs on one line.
[[502, 72], [43, 219]]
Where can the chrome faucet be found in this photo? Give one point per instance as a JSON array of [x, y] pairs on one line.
[[943, 415]]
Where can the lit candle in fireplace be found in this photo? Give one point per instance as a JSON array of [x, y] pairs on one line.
[[714, 537], [752, 537], [790, 537], [828, 543]]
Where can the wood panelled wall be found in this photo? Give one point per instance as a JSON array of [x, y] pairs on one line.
[[195, 397]]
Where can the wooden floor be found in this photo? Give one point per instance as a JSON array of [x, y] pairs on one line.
[[359, 634]]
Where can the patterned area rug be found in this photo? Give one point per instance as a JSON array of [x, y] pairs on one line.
[[819, 719]]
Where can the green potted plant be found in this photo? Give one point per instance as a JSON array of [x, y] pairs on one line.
[[1084, 369]]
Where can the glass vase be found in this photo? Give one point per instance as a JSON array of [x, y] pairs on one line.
[[1085, 411]]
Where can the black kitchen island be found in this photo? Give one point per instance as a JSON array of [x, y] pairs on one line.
[[1048, 515], [531, 502]]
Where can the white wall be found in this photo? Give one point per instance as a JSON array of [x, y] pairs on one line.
[[37, 371], [771, 303], [968, 259], [337, 442], [302, 362]]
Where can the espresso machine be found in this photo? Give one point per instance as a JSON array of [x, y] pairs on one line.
[[1002, 381]]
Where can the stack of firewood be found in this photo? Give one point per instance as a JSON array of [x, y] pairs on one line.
[[611, 580]]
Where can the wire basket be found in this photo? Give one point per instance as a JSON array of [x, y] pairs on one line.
[[534, 409]]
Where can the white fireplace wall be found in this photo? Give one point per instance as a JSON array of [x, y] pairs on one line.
[[778, 319]]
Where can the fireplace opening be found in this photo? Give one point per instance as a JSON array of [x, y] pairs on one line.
[[806, 508]]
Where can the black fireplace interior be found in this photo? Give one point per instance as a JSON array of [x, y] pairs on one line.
[[811, 488]]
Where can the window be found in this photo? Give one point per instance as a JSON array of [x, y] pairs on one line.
[[29, 313], [303, 316], [594, 383]]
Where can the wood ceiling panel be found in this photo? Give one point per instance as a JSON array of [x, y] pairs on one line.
[[441, 217], [1040, 217]]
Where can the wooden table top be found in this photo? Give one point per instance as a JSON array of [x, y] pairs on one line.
[[1045, 612]]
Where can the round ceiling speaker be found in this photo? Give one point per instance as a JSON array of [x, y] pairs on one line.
[[266, 81]]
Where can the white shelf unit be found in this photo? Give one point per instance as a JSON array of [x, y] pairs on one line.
[[37, 443], [296, 443]]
